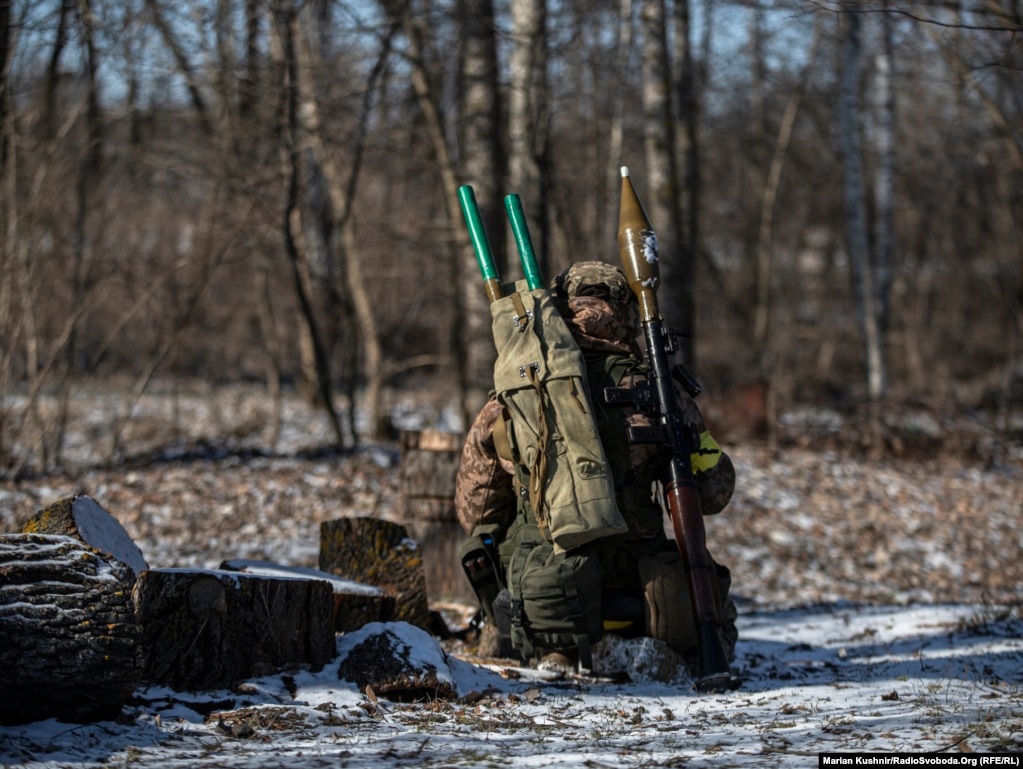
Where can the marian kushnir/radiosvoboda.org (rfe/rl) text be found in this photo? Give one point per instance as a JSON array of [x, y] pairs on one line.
[[920, 759]]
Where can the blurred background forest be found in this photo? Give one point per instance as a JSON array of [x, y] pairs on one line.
[[264, 192]]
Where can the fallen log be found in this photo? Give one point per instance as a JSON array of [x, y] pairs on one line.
[[209, 629], [69, 643]]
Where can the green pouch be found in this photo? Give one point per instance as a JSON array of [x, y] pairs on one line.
[[555, 599]]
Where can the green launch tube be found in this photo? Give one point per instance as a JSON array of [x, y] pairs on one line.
[[484, 256], [513, 204]]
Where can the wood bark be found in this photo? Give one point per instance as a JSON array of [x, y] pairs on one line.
[[482, 167], [86, 520], [291, 224], [661, 199], [355, 604], [380, 553], [529, 123], [208, 629], [70, 647]]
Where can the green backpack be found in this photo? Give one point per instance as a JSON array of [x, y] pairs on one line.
[[540, 379], [552, 573]]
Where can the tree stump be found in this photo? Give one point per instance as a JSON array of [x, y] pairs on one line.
[[209, 629], [85, 519], [70, 647], [377, 552], [355, 604], [396, 661], [428, 467]]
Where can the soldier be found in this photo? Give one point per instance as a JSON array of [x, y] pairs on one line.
[[643, 588]]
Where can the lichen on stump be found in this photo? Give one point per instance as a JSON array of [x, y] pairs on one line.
[[70, 647], [378, 552]]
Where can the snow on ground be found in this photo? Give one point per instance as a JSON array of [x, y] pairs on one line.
[[841, 678], [879, 611]]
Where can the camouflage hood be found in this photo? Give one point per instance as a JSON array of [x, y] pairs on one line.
[[597, 304]]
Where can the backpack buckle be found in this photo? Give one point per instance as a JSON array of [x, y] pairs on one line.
[[524, 370]]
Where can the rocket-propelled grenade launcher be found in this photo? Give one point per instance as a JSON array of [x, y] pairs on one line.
[[637, 246]]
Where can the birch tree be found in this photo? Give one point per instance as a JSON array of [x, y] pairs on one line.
[[850, 116]]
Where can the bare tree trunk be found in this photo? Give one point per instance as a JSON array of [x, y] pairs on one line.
[[884, 179], [87, 171], [768, 201], [8, 218], [342, 196], [287, 22], [435, 129], [616, 152], [688, 159], [480, 116], [855, 206], [529, 122], [661, 199], [48, 119], [184, 65], [268, 332], [6, 54]]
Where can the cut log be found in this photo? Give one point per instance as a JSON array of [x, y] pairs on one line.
[[428, 467], [380, 553], [70, 647], [396, 661], [429, 463], [85, 519], [355, 604], [208, 629]]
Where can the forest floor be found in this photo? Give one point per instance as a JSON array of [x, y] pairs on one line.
[[878, 589]]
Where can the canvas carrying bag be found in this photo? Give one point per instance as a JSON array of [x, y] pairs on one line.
[[668, 608], [541, 381]]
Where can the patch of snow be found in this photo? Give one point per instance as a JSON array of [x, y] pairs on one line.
[[270, 569], [104, 532]]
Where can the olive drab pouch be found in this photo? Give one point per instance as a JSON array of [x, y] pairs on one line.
[[540, 378], [555, 598], [481, 562], [668, 606]]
